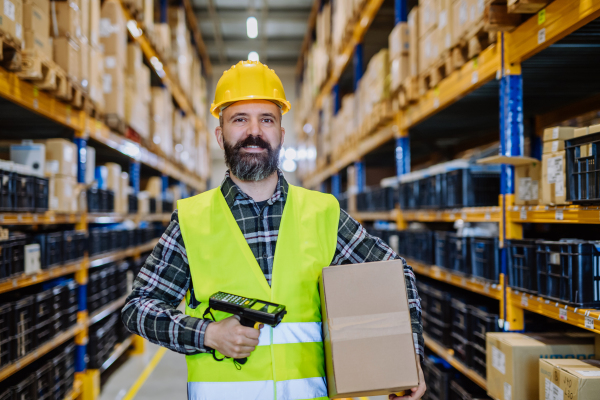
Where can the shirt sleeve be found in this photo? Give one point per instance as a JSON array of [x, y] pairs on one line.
[[355, 245], [151, 309]]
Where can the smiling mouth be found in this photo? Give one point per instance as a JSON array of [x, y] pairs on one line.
[[254, 148]]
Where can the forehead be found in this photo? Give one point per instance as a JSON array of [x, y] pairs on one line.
[[251, 107]]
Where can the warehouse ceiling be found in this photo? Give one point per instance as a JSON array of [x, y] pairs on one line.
[[282, 25]]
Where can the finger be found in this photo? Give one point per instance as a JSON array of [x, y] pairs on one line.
[[246, 341], [251, 333]]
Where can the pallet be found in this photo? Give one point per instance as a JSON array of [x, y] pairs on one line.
[[116, 123], [526, 6], [10, 52], [46, 74], [497, 19], [71, 92]]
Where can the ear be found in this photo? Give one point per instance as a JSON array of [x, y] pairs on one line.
[[219, 136]]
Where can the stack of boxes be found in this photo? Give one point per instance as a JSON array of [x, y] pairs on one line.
[[398, 53], [554, 165], [161, 124], [373, 88], [180, 61], [96, 54], [67, 34], [61, 169], [36, 27], [11, 19], [113, 39], [137, 92], [429, 49]]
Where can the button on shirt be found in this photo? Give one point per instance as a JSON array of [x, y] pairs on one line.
[[151, 308]]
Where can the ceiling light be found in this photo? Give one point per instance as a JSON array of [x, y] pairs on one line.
[[253, 56], [252, 27]]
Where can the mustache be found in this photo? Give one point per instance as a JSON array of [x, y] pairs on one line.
[[253, 141]]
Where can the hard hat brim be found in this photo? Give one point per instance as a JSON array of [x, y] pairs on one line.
[[216, 108]]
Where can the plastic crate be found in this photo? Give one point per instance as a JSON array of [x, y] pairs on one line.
[[18, 254], [25, 189], [44, 306], [41, 194], [59, 323], [439, 304], [74, 245], [51, 248], [44, 382], [5, 258], [408, 195], [44, 331], [26, 389], [167, 206], [23, 343], [69, 317], [460, 318], [522, 269], [475, 186], [485, 258], [464, 389], [582, 173], [419, 246], [6, 394], [432, 191], [132, 202], [441, 249], [568, 272], [438, 330], [152, 205], [8, 193], [481, 322], [459, 254], [69, 298], [5, 334], [23, 315], [93, 200], [437, 377]]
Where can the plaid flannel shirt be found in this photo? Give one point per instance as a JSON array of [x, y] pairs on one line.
[[151, 309]]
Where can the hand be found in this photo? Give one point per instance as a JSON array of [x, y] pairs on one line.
[[417, 392], [230, 338]]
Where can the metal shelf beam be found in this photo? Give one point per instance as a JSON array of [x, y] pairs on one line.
[[22, 281]]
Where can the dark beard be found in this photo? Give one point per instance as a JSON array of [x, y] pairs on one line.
[[251, 166]]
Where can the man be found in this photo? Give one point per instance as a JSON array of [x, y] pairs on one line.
[[226, 240]]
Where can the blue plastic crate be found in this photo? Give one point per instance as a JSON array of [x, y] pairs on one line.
[[459, 254], [441, 249], [522, 268], [475, 186]]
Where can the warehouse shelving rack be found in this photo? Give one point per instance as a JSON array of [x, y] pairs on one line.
[[502, 62], [85, 127]]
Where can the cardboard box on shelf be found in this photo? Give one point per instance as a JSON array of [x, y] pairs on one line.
[[61, 194], [113, 35], [398, 40], [581, 131], [527, 183], [428, 16], [553, 146], [148, 14], [512, 359], [95, 88], [66, 55], [594, 129], [413, 39], [113, 85], [445, 20], [36, 19], [368, 340], [398, 72], [68, 18], [114, 175], [40, 43], [559, 132], [154, 187], [569, 379], [134, 58], [93, 31], [460, 19], [553, 178], [84, 64], [121, 201], [65, 152], [84, 9], [11, 18], [429, 50]]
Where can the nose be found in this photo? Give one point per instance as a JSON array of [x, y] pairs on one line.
[[254, 127]]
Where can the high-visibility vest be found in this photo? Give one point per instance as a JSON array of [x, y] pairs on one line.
[[288, 362]]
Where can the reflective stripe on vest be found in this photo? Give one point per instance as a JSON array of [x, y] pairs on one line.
[[291, 332], [295, 389]]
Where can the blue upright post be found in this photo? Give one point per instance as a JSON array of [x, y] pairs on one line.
[[358, 64], [400, 11], [337, 102], [361, 179], [164, 9], [402, 155], [336, 185], [134, 176], [81, 158], [165, 185]]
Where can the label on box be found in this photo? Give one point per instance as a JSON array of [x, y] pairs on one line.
[[589, 373], [110, 62], [507, 391], [524, 188], [9, 10], [552, 391], [559, 186], [105, 28], [107, 83], [562, 314], [555, 133], [535, 190], [589, 323], [498, 360], [18, 31], [554, 146], [555, 168]]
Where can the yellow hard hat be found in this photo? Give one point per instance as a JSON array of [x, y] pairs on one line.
[[249, 80]]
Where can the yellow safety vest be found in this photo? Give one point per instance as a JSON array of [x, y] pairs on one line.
[[288, 363]]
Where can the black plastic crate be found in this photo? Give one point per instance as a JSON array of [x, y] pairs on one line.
[[459, 254], [51, 248], [568, 272], [437, 329], [44, 306], [480, 323], [8, 192], [167, 206], [44, 382], [74, 245], [69, 298], [522, 269], [5, 334], [439, 304], [583, 175], [463, 389], [477, 360], [26, 389], [59, 323], [152, 205], [41, 194], [93, 200], [44, 331], [460, 318], [25, 189], [472, 187], [437, 377], [132, 202], [5, 258], [18, 254], [408, 195], [485, 258], [69, 317], [6, 394], [419, 246], [23, 343], [432, 191], [23, 315], [441, 249], [461, 347]]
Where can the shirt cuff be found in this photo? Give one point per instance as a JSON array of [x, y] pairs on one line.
[[202, 325]]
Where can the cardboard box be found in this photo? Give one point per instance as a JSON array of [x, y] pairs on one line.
[[62, 194], [527, 184], [558, 132], [40, 43], [134, 58], [428, 10], [445, 20], [586, 150], [369, 348], [398, 40], [113, 35], [36, 19], [68, 19], [154, 187], [594, 129], [512, 360], [66, 55], [581, 132], [122, 201], [90, 165], [84, 64], [553, 146], [429, 50], [413, 38], [569, 379], [93, 33], [96, 76], [398, 72], [113, 177], [65, 152], [11, 18], [84, 10], [553, 178], [460, 19], [113, 85]]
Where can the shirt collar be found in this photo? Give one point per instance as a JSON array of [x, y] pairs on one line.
[[232, 192]]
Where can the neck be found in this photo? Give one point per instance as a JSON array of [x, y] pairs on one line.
[[258, 190]]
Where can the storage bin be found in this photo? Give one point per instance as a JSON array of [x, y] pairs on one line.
[[5, 334], [460, 319], [51, 248], [6, 394], [44, 307], [132, 201], [439, 304], [408, 195], [8, 191], [473, 187], [5, 258], [568, 272], [152, 205], [481, 322], [44, 382], [464, 389], [25, 193], [25, 389], [441, 249], [44, 331], [74, 245], [522, 268], [437, 377], [23, 343], [437, 330], [23, 315], [485, 258], [419, 246], [459, 254], [583, 175], [41, 194]]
